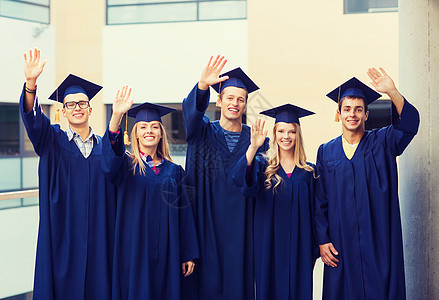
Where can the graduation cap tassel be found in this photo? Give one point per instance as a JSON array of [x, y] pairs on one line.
[[126, 138], [218, 98], [57, 108], [337, 118]]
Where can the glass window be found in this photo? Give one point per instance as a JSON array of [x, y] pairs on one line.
[[127, 2], [9, 133], [370, 6], [11, 203], [10, 180], [222, 10], [29, 171], [154, 11], [29, 10]]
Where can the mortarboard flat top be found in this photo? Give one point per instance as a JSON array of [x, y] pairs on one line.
[[149, 112], [354, 87], [287, 113], [237, 78], [74, 84]]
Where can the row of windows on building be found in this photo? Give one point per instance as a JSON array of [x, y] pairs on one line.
[[157, 11]]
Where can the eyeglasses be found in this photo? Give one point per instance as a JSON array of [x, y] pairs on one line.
[[81, 104]]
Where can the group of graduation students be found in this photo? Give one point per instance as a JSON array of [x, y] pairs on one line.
[[246, 219]]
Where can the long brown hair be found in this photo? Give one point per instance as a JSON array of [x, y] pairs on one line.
[[273, 179], [162, 149]]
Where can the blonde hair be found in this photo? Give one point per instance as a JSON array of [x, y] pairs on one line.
[[162, 149], [273, 159]]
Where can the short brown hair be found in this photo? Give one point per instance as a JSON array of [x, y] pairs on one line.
[[352, 97]]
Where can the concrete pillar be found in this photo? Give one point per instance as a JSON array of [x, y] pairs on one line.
[[79, 27], [419, 165]]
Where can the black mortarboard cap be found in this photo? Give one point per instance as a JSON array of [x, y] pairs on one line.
[[354, 87], [149, 112], [237, 78], [287, 113], [72, 85]]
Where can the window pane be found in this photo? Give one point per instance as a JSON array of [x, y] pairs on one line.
[[30, 201], [24, 11], [41, 2], [30, 172], [125, 2], [9, 133], [152, 13], [364, 6], [10, 180], [217, 10], [10, 203]]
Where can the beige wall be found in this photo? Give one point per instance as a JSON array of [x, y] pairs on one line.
[[301, 50], [79, 26]]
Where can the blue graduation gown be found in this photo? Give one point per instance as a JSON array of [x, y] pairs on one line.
[[284, 243], [77, 213], [155, 229], [357, 209], [223, 217]]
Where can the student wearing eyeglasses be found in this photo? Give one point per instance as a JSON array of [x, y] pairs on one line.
[[77, 203]]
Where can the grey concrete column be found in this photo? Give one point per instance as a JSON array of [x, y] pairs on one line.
[[419, 165]]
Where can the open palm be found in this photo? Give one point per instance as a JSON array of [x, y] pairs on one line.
[[33, 66], [211, 72], [122, 103], [258, 134], [381, 81]]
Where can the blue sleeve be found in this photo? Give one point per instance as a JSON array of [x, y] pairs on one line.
[[249, 184], [398, 136], [194, 107], [39, 130], [321, 202], [312, 183], [113, 157], [188, 234]]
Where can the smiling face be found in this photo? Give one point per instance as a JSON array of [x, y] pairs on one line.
[[353, 115], [233, 102], [285, 136], [77, 116], [149, 135]]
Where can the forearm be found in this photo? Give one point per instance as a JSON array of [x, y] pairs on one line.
[[29, 95], [250, 154], [397, 100], [115, 120]]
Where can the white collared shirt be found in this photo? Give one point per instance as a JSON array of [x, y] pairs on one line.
[[84, 146]]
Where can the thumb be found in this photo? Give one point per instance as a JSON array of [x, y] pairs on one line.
[[43, 64], [331, 247], [224, 78]]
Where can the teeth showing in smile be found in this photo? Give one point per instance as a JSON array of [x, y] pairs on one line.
[[233, 110]]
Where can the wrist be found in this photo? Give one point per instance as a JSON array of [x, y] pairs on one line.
[[393, 93], [31, 84], [203, 85], [118, 115], [254, 147]]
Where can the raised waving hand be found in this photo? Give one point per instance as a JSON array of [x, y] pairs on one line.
[[211, 72], [122, 103], [257, 139], [384, 84], [33, 67]]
